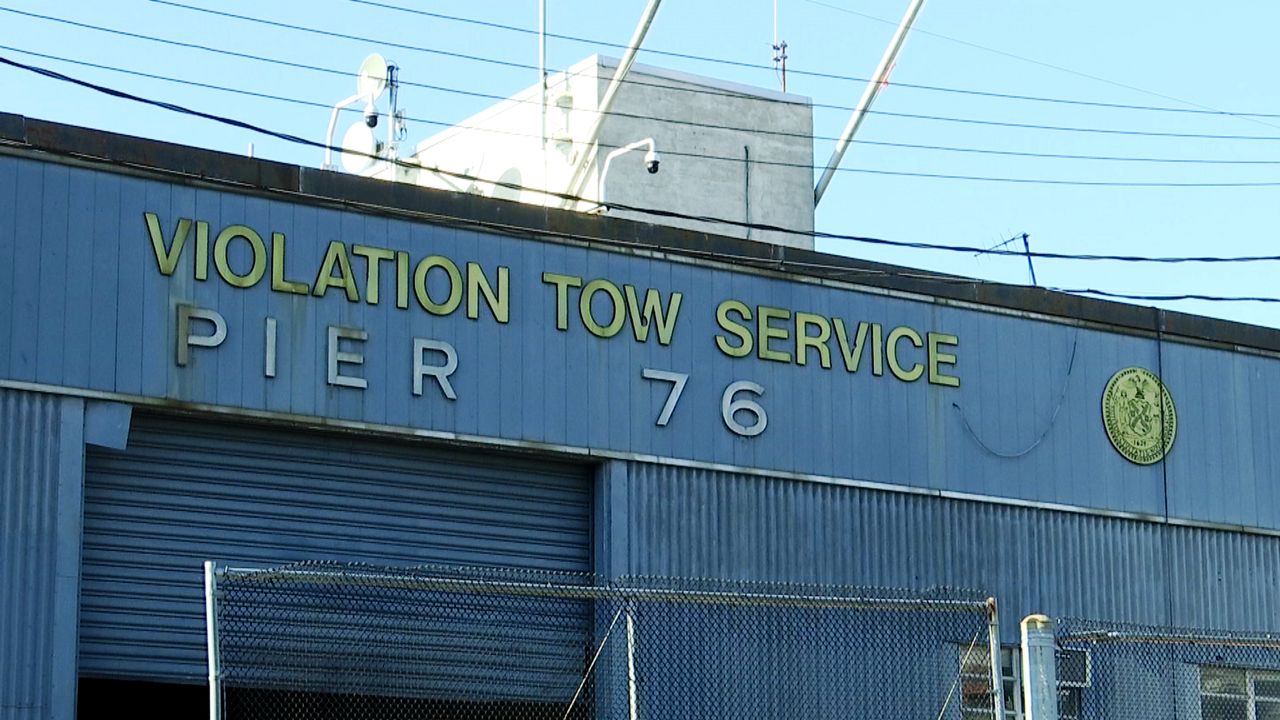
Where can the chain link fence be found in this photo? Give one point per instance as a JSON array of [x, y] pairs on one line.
[[320, 641], [1114, 671]]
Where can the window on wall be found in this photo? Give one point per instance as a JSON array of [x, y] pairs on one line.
[[975, 684], [1074, 675], [1239, 694]]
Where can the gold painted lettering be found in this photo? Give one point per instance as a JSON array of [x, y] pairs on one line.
[[938, 357], [767, 332], [562, 283], [652, 313], [222, 262], [453, 300], [804, 340], [499, 302], [852, 355], [336, 255], [372, 256], [202, 250], [742, 332], [891, 349], [877, 349], [615, 297], [278, 283], [402, 279], [167, 257]]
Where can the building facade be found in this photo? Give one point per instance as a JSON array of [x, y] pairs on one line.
[[205, 357]]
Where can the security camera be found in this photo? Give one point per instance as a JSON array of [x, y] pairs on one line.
[[371, 115], [651, 162]]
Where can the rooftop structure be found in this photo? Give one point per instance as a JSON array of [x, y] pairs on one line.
[[731, 152]]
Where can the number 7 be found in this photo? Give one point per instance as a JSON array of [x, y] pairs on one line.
[[677, 381]]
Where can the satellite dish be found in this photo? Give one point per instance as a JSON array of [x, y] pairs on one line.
[[504, 190], [372, 78], [358, 144]]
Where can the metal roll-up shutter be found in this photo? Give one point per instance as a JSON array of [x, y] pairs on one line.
[[186, 491]]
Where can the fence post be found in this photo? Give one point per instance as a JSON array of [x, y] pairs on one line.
[[631, 663], [211, 639], [997, 669], [1039, 668]]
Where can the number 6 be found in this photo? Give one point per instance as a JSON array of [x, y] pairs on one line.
[[730, 407]]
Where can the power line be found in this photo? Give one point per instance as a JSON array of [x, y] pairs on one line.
[[704, 156], [915, 116], [1199, 110], [671, 214], [523, 66], [637, 209], [1167, 298]]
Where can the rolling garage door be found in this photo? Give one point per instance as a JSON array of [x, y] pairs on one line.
[[188, 490]]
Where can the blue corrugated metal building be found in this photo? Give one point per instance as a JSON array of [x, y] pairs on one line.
[[210, 357]]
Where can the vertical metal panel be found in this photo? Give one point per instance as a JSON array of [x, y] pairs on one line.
[[1223, 463], [8, 253], [708, 524], [41, 463], [186, 491]]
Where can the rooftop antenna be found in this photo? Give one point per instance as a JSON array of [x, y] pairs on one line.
[[1026, 249], [371, 82], [779, 49]]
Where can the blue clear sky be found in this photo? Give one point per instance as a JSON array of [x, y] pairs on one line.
[[1181, 55]]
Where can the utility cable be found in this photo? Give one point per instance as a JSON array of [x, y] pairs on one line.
[[672, 152], [52, 74], [529, 67], [1053, 417], [1198, 110], [702, 91]]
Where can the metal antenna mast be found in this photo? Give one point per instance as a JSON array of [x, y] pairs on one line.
[[877, 82], [779, 48]]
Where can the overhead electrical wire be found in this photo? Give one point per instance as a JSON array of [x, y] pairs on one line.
[[674, 153], [1039, 254], [1195, 107], [737, 160], [886, 113], [1165, 298], [233, 122], [530, 67], [836, 76]]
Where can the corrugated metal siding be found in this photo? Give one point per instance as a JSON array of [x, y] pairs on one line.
[[41, 465], [707, 524], [188, 491]]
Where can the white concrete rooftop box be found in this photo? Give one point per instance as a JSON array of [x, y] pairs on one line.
[[727, 151]]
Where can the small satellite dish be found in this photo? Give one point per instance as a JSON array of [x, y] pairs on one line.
[[372, 78], [358, 144], [507, 187]]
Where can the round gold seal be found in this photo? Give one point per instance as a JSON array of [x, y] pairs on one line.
[[1138, 413]]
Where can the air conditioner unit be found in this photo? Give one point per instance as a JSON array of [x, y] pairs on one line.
[[1075, 668]]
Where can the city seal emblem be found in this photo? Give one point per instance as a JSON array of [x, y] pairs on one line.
[[1139, 416]]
